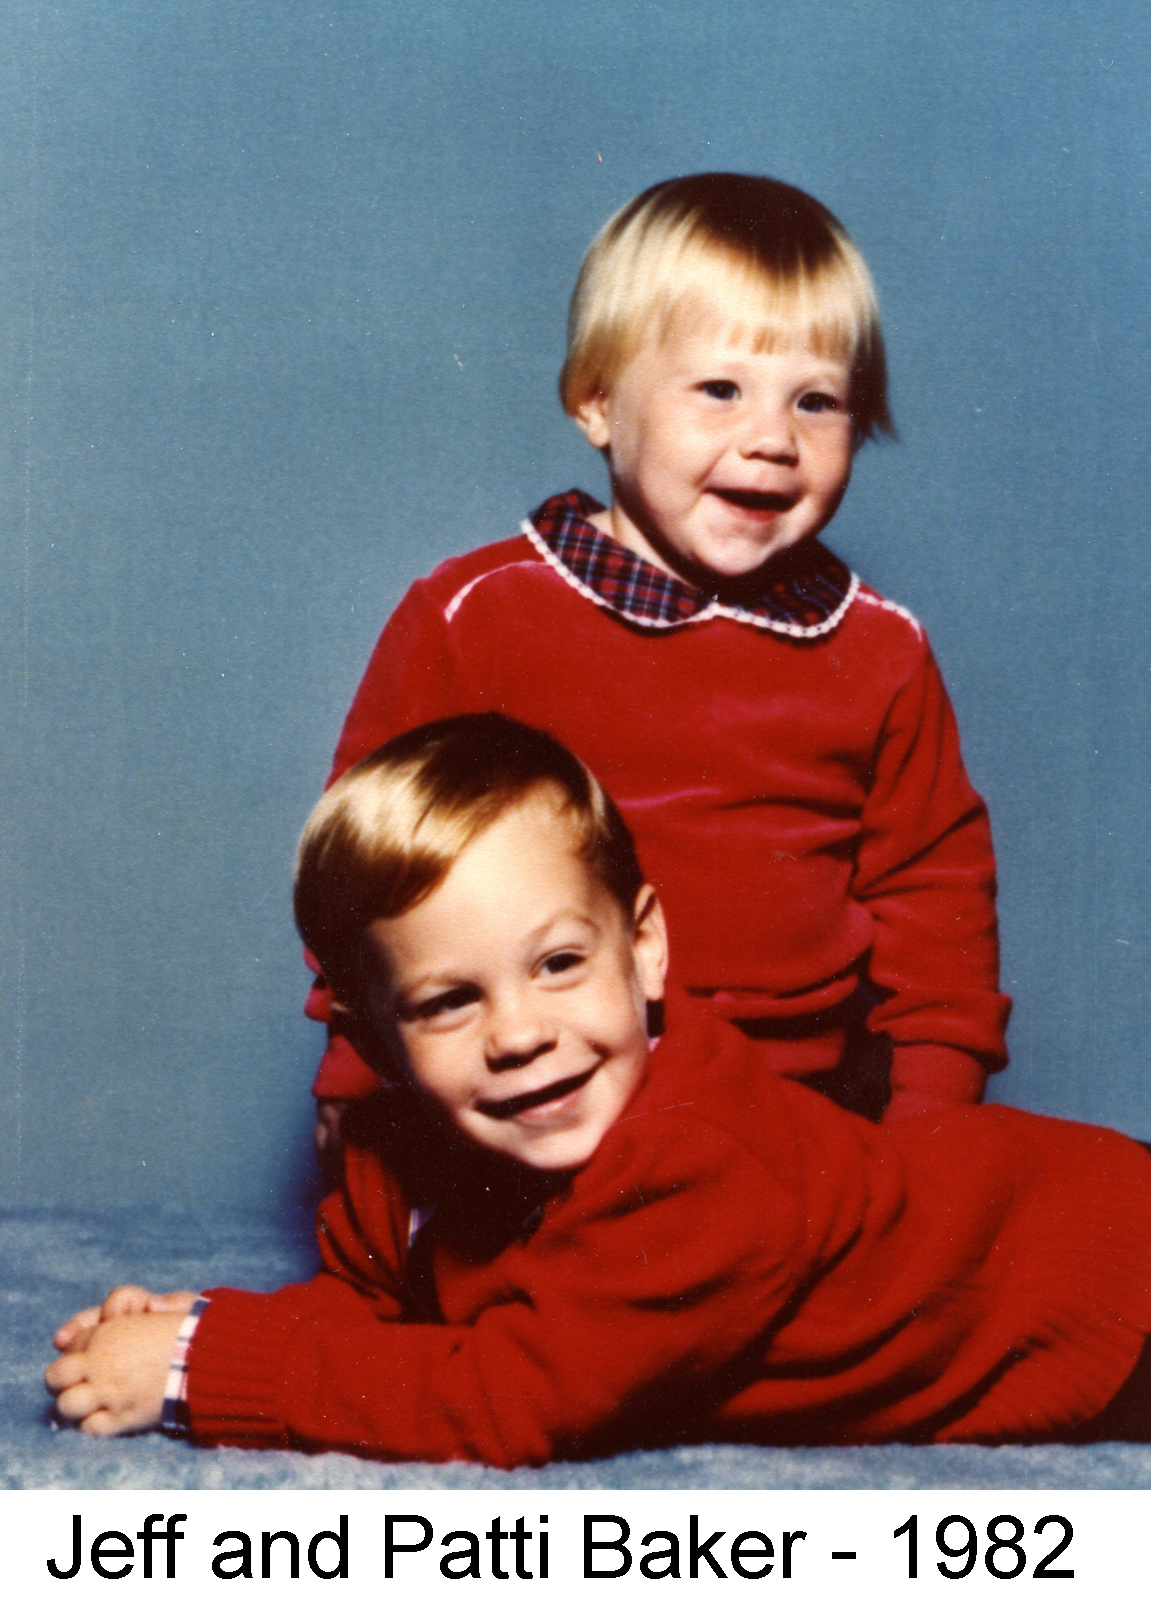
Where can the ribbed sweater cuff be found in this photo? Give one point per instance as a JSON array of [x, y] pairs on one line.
[[1084, 1304], [235, 1371]]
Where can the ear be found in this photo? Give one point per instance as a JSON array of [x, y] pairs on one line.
[[649, 941], [591, 415]]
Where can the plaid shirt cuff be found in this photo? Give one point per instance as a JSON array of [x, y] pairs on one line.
[[174, 1417]]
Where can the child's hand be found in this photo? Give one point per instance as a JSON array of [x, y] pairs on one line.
[[121, 1301], [113, 1379]]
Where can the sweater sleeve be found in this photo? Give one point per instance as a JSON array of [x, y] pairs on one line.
[[413, 676], [605, 1327], [926, 873]]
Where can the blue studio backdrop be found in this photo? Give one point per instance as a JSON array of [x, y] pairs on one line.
[[284, 291]]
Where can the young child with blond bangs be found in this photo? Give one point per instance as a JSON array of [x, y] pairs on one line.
[[579, 1220], [775, 731]]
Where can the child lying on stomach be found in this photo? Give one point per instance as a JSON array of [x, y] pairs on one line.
[[558, 1237]]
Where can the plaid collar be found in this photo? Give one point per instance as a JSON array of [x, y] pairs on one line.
[[806, 599]]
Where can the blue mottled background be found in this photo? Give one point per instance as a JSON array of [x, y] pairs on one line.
[[283, 293]]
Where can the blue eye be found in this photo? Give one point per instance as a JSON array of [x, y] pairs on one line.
[[816, 403], [720, 390]]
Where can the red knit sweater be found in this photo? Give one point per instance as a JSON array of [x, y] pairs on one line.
[[800, 804], [739, 1261]]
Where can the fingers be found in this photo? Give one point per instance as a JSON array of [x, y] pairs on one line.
[[78, 1402], [65, 1372], [80, 1326], [171, 1303], [116, 1383], [125, 1301], [119, 1302], [81, 1406], [103, 1424]]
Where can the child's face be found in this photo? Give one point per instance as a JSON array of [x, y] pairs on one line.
[[721, 456], [518, 989]]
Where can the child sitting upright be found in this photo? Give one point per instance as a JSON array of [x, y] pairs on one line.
[[775, 732], [550, 1244]]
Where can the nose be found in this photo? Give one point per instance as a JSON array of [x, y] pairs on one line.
[[771, 436], [517, 1033]]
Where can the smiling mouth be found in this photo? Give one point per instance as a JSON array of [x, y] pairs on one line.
[[534, 1098], [753, 500]]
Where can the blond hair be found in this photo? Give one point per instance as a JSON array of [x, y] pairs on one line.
[[771, 260], [389, 831]]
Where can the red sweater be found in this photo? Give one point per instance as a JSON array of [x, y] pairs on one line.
[[799, 803], [740, 1261]]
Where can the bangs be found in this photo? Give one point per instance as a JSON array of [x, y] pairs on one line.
[[718, 294], [387, 833], [745, 256]]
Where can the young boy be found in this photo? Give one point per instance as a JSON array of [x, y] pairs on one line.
[[550, 1243], [776, 734]]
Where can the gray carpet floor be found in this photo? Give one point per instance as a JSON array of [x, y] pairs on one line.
[[53, 1263]]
